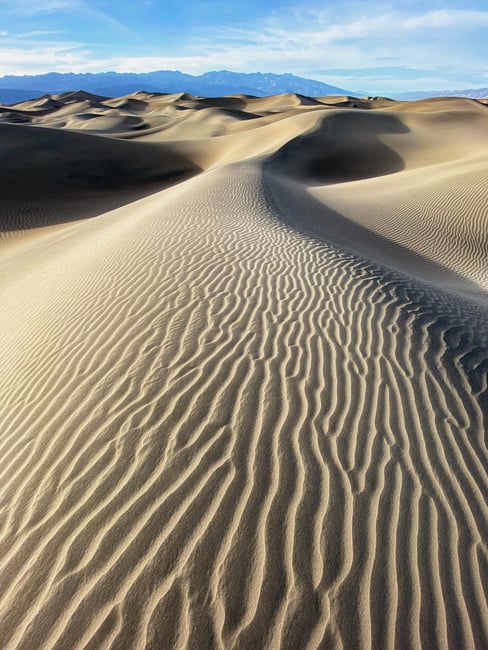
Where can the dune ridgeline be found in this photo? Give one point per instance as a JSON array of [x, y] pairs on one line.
[[243, 373]]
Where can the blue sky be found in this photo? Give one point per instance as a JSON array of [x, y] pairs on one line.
[[376, 47]]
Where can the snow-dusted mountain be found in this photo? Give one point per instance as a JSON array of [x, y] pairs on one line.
[[210, 84]]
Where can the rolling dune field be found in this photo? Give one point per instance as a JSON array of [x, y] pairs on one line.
[[243, 373]]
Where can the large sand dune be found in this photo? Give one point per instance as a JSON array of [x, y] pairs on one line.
[[243, 373]]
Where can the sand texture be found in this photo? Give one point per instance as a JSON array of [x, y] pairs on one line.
[[243, 373]]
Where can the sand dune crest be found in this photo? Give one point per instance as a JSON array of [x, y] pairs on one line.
[[243, 373]]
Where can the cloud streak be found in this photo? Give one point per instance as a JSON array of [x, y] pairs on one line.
[[76, 8], [38, 32], [59, 57], [436, 46], [29, 8]]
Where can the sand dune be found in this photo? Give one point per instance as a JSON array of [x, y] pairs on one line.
[[243, 373]]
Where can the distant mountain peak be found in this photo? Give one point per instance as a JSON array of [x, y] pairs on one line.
[[209, 84], [470, 93]]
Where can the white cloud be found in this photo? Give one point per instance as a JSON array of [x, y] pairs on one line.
[[315, 30], [28, 7], [300, 43], [78, 8], [38, 32], [55, 57], [457, 18]]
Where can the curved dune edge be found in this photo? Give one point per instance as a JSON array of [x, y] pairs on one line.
[[222, 428]]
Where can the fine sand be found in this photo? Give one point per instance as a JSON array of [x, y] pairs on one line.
[[243, 373]]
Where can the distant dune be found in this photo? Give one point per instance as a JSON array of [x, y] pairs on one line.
[[210, 84], [473, 93], [243, 375]]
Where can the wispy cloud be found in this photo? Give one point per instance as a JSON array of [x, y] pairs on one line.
[[429, 41], [59, 57], [27, 7], [76, 8], [457, 18], [38, 32], [360, 51], [312, 30]]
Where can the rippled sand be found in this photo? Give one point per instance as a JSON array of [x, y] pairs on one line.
[[243, 373]]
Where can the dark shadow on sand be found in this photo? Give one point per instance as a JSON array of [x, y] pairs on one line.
[[43, 166]]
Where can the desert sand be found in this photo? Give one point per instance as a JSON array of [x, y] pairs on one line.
[[243, 373]]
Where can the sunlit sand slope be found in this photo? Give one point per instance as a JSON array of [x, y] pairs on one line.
[[243, 374]]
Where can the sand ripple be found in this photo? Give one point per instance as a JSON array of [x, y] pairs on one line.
[[221, 428]]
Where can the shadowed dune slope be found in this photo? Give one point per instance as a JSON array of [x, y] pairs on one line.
[[40, 161], [244, 373], [392, 180]]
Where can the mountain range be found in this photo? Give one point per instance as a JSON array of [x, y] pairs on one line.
[[210, 84], [473, 93]]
